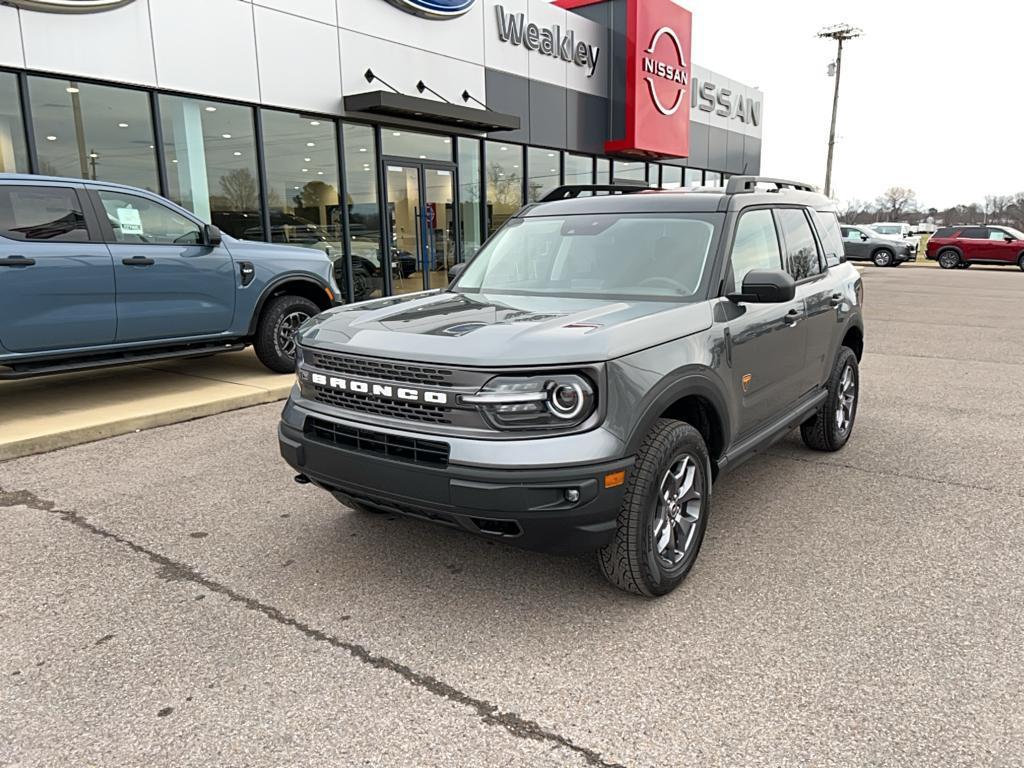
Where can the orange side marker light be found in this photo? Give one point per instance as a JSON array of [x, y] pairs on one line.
[[615, 479]]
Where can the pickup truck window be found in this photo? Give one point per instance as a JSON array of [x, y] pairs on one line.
[[42, 213], [756, 245], [661, 257], [801, 250], [135, 219]]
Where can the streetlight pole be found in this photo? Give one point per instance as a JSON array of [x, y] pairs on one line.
[[839, 33]]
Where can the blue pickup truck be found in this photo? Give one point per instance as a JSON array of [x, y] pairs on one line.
[[95, 274]]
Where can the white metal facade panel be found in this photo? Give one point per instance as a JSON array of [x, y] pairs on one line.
[[11, 53]]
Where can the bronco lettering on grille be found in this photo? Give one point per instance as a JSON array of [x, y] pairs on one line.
[[380, 390]]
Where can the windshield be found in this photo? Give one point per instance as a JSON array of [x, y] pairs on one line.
[[660, 256], [1016, 233]]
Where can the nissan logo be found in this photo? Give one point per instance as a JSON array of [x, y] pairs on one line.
[[673, 71], [67, 6], [434, 9]]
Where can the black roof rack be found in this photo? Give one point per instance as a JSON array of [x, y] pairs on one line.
[[571, 191], [739, 184]]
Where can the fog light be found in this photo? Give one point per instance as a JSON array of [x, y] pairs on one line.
[[572, 495]]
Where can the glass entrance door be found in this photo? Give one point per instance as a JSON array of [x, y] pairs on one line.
[[420, 204]]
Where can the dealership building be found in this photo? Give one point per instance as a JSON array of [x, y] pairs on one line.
[[393, 134]]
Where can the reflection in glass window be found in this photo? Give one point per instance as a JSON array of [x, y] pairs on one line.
[[302, 182], [629, 170], [422, 146], [363, 211], [801, 250], [579, 169], [755, 246], [504, 182], [693, 177], [603, 172], [470, 199], [210, 153], [542, 167], [93, 132], [135, 219], [712, 179], [53, 214], [671, 177], [13, 155], [828, 230]]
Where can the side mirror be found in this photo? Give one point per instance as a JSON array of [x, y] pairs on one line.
[[766, 286], [863, 236], [455, 270], [1010, 238], [211, 235]]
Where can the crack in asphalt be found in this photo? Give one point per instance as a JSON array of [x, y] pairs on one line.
[[174, 571]]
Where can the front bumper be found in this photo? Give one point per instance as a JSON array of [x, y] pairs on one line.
[[526, 507]]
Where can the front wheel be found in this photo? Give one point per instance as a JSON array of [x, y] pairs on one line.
[[275, 332], [882, 257], [831, 427], [1020, 262], [949, 259], [664, 514]]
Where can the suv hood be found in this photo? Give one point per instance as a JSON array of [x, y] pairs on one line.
[[491, 330]]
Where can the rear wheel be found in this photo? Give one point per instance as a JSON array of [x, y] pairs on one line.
[[664, 514], [949, 259], [275, 333], [832, 425], [882, 257]]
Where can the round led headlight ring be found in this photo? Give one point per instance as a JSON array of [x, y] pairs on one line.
[[565, 400]]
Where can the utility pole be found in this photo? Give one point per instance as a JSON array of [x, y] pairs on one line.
[[839, 33]]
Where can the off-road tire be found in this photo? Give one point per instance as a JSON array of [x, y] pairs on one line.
[[267, 341], [952, 260], [822, 431], [630, 561], [883, 257]]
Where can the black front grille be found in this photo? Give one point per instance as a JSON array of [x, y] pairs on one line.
[[397, 447], [369, 368], [396, 409]]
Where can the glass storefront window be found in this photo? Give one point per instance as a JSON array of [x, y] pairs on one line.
[[210, 154], [712, 179], [422, 146], [693, 177], [302, 181], [671, 177], [630, 170], [504, 182], [542, 172], [364, 219], [604, 172], [13, 154], [93, 132], [579, 169], [470, 200]]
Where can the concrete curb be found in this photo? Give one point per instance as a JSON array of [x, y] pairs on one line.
[[51, 442]]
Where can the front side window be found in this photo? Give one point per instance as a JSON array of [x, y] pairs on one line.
[[756, 245], [612, 256], [136, 219], [53, 214], [801, 250]]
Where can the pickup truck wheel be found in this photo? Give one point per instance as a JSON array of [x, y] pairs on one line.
[[949, 259], [882, 257], [664, 514], [275, 332], [832, 425]]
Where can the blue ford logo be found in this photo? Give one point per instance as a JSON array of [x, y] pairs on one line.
[[434, 9]]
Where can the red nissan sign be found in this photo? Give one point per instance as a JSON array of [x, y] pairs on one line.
[[657, 78]]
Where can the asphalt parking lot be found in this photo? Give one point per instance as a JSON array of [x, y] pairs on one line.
[[172, 598]]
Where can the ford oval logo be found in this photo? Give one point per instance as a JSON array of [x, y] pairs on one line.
[[68, 6], [434, 9]]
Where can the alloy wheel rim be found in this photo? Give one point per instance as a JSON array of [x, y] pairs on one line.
[[678, 511], [948, 258], [882, 259], [286, 331], [847, 400]]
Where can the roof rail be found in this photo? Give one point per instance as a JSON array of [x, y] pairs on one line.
[[571, 191], [739, 184]]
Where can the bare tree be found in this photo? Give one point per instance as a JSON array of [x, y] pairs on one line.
[[896, 201], [240, 190]]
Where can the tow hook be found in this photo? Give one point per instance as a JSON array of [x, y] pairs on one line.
[[302, 480]]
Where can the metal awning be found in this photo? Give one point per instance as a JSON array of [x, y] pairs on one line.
[[429, 110]]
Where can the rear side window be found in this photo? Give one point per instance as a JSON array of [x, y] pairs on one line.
[[53, 214], [828, 231], [975, 233], [801, 250], [756, 245], [136, 219]]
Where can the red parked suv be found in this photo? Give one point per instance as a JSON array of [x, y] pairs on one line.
[[959, 247]]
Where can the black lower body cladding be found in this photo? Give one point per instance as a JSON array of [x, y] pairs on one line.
[[559, 510]]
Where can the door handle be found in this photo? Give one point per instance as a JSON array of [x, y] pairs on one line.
[[837, 299], [793, 317], [16, 261], [138, 261]]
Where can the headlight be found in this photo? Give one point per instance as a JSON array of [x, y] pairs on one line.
[[552, 401]]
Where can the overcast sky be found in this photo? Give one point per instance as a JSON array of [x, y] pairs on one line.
[[931, 96]]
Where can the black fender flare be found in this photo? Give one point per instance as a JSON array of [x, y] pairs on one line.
[[276, 283], [670, 390]]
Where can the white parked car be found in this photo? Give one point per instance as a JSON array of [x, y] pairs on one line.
[[898, 230]]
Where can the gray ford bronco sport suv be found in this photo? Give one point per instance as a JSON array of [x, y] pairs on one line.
[[587, 377]]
